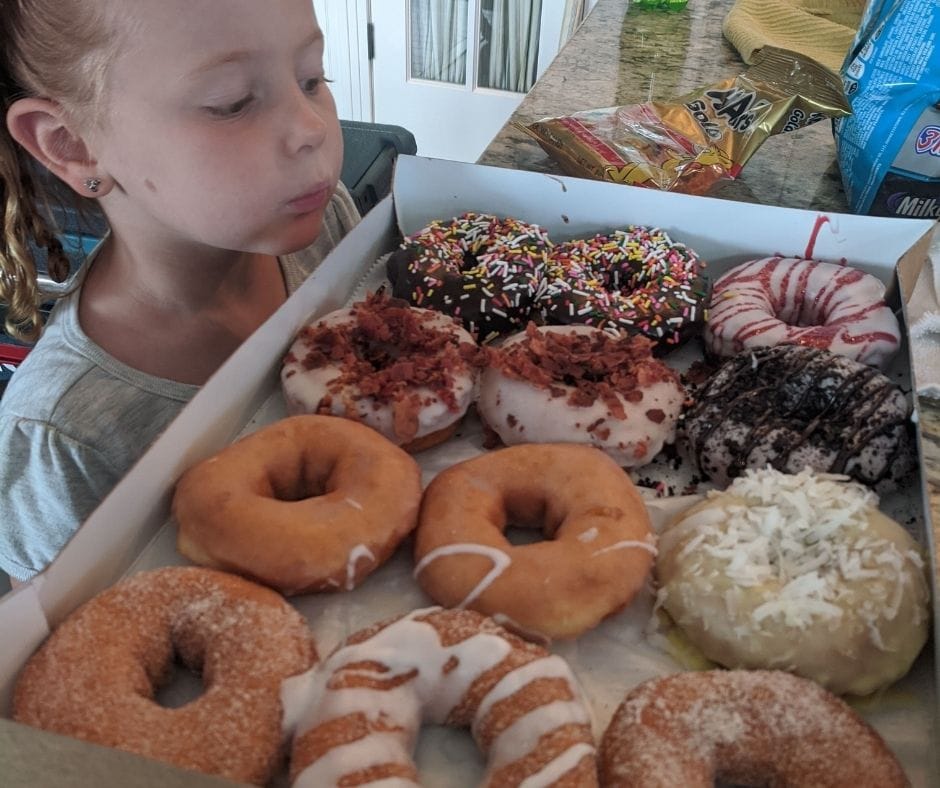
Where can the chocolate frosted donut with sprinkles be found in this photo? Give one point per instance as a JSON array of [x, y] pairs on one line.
[[637, 280], [479, 268]]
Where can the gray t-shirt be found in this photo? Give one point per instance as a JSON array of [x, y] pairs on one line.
[[73, 419]]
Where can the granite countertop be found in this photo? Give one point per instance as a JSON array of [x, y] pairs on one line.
[[624, 56]]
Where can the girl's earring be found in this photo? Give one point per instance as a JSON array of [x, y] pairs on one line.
[[92, 184]]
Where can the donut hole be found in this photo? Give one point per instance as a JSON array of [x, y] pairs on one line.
[[179, 685], [311, 483]]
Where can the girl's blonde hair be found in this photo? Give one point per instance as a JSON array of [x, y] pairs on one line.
[[58, 50]]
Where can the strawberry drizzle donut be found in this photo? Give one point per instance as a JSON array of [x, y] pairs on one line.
[[598, 547], [484, 270], [96, 676], [783, 300], [578, 384], [308, 503], [798, 572], [636, 280], [408, 373], [357, 716], [742, 727]]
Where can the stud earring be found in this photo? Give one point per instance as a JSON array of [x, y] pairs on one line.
[[92, 184]]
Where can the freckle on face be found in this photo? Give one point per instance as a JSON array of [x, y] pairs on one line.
[[149, 184]]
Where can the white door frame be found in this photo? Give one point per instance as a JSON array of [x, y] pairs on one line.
[[345, 23]]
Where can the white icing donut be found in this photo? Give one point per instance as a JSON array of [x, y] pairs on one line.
[[783, 300], [358, 715], [631, 428], [404, 405], [800, 573]]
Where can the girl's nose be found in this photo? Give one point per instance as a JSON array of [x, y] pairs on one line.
[[310, 120]]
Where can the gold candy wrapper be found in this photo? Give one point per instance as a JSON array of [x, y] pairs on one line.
[[690, 143]]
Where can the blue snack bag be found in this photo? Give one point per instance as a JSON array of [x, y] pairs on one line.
[[889, 148]]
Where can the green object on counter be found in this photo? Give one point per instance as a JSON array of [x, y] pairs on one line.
[[660, 5]]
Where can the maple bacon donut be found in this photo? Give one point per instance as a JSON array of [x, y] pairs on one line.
[[800, 573], [406, 372], [356, 718], [741, 727], [307, 503], [784, 300], [579, 384], [96, 676], [598, 546]]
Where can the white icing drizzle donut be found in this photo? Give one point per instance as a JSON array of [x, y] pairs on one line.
[[500, 560], [356, 718], [784, 300], [800, 573]]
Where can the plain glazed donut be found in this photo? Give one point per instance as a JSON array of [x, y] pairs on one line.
[[783, 300], [308, 503], [358, 715], [578, 384], [743, 728], [800, 573], [483, 270], [598, 550], [95, 677], [636, 280], [403, 371], [796, 407]]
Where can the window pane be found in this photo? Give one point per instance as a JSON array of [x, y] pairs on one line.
[[439, 40], [509, 44]]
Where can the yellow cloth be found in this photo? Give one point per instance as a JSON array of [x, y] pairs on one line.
[[820, 29]]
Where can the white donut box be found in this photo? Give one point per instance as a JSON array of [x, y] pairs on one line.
[[132, 530]]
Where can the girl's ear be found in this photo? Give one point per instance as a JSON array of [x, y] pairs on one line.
[[40, 126]]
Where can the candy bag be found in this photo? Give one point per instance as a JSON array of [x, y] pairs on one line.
[[889, 149], [690, 143]]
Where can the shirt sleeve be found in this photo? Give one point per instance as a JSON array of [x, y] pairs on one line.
[[50, 483]]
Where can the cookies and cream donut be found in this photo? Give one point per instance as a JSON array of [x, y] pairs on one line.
[[637, 280], [481, 269], [797, 572], [794, 407], [578, 384], [356, 717], [307, 503], [96, 676], [406, 372], [784, 300], [595, 558], [741, 727]]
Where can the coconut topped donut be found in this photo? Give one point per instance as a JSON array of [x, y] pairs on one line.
[[797, 572], [482, 269], [578, 384], [408, 373], [637, 280]]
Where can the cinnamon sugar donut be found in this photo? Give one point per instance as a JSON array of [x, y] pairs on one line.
[[403, 371], [483, 270], [95, 677], [801, 573], [783, 300], [357, 716], [308, 503], [742, 727], [598, 550], [577, 384], [795, 407]]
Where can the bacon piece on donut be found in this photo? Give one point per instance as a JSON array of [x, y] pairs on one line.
[[782, 300], [742, 727], [96, 676], [598, 547], [357, 717], [577, 384]]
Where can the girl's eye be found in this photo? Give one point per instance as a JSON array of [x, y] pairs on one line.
[[310, 86], [230, 110]]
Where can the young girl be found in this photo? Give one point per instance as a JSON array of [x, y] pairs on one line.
[[210, 140]]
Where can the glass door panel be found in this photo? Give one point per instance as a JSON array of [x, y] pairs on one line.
[[438, 40], [509, 44]]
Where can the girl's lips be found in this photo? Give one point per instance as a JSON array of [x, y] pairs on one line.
[[310, 201]]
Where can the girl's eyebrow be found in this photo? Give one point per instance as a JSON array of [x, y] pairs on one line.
[[238, 55]]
